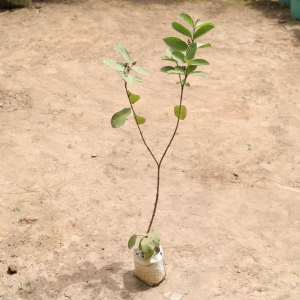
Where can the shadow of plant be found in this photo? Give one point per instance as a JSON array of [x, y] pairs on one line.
[[95, 282]]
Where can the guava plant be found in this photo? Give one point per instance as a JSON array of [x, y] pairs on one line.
[[181, 54]]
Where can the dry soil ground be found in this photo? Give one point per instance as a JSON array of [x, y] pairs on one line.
[[229, 215]]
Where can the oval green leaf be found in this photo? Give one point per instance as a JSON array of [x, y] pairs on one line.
[[139, 119], [166, 69], [133, 98], [200, 62], [154, 237], [175, 72], [114, 64], [138, 79], [131, 241], [191, 51], [147, 245], [140, 70], [183, 112], [176, 43], [181, 29], [198, 73], [203, 28], [124, 53], [178, 56], [119, 118], [191, 69], [185, 17]]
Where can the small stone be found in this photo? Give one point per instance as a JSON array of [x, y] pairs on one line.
[[12, 269], [94, 155], [1, 104]]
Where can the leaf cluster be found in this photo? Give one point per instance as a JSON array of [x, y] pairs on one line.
[[147, 243]]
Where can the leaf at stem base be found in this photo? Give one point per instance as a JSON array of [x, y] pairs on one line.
[[132, 241]]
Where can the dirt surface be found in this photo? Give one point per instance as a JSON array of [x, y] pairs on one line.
[[73, 189]]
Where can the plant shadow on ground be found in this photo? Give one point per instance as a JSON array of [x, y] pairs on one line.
[[97, 281], [273, 10]]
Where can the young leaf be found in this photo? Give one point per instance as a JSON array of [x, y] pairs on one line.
[[119, 118], [183, 112], [178, 56], [114, 64], [140, 70], [139, 119], [200, 62], [181, 29], [169, 52], [124, 53], [176, 43], [131, 241], [187, 84], [187, 19], [154, 237], [167, 58], [133, 98], [203, 28], [198, 73], [191, 69], [191, 51], [166, 69]]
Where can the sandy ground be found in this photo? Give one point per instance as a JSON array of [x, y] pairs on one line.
[[229, 215]]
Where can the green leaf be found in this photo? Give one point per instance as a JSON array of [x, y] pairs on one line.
[[124, 53], [198, 73], [191, 69], [203, 28], [154, 237], [114, 64], [191, 51], [183, 112], [130, 79], [178, 56], [140, 70], [139, 119], [138, 79], [176, 43], [133, 98], [119, 118], [201, 45], [187, 84], [187, 19], [166, 69], [180, 69], [181, 29], [174, 72], [147, 245], [200, 62], [131, 241], [167, 58], [177, 70], [148, 255]]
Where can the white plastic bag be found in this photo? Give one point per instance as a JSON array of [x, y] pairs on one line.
[[151, 271]]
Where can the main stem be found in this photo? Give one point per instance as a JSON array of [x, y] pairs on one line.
[[158, 163], [161, 160]]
